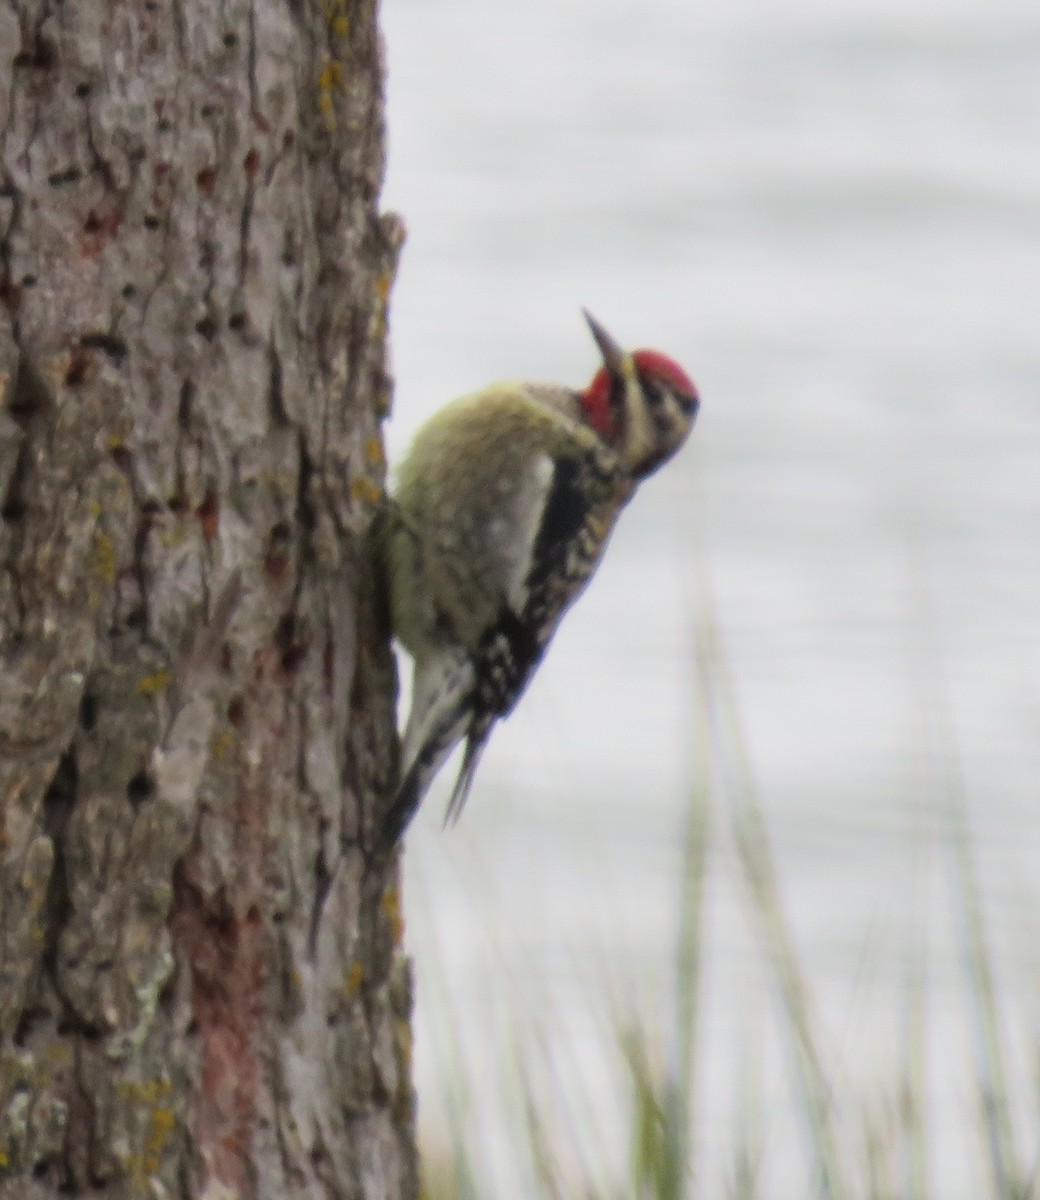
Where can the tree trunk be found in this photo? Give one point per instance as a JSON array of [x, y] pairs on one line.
[[198, 995]]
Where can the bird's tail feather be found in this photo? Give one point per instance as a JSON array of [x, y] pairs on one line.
[[438, 721], [476, 740], [440, 684], [419, 775]]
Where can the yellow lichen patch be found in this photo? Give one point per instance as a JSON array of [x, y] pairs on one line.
[[105, 557], [391, 905], [336, 15], [374, 455], [223, 744], [147, 1092], [364, 491], [383, 285], [294, 990], [161, 1121], [174, 535], [151, 685], [355, 978], [164, 1121], [330, 78]]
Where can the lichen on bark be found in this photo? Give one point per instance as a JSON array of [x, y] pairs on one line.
[[199, 987]]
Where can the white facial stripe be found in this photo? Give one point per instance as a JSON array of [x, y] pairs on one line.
[[640, 435]]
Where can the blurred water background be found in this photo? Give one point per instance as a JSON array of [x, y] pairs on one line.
[[829, 212]]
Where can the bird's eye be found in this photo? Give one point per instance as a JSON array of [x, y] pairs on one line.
[[654, 393], [689, 402]]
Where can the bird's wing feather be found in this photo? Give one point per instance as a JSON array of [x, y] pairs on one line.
[[579, 507], [587, 494], [478, 737], [570, 535]]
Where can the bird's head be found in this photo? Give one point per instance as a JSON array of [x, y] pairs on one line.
[[642, 403]]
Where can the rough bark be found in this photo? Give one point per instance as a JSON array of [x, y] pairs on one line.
[[198, 995]]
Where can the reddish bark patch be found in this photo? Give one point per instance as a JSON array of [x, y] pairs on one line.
[[219, 936], [81, 366], [206, 180], [223, 949], [10, 296], [251, 163], [277, 558], [208, 513]]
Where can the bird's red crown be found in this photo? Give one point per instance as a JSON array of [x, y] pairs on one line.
[[595, 399]]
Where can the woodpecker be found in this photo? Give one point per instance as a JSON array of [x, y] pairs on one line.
[[502, 511]]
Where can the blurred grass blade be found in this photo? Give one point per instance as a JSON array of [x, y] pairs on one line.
[[991, 1077], [678, 1168], [648, 1121], [755, 859], [749, 1149], [913, 1081], [454, 1172], [993, 1093], [543, 1156], [913, 1093]]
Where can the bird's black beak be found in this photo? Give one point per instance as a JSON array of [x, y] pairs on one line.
[[611, 351]]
